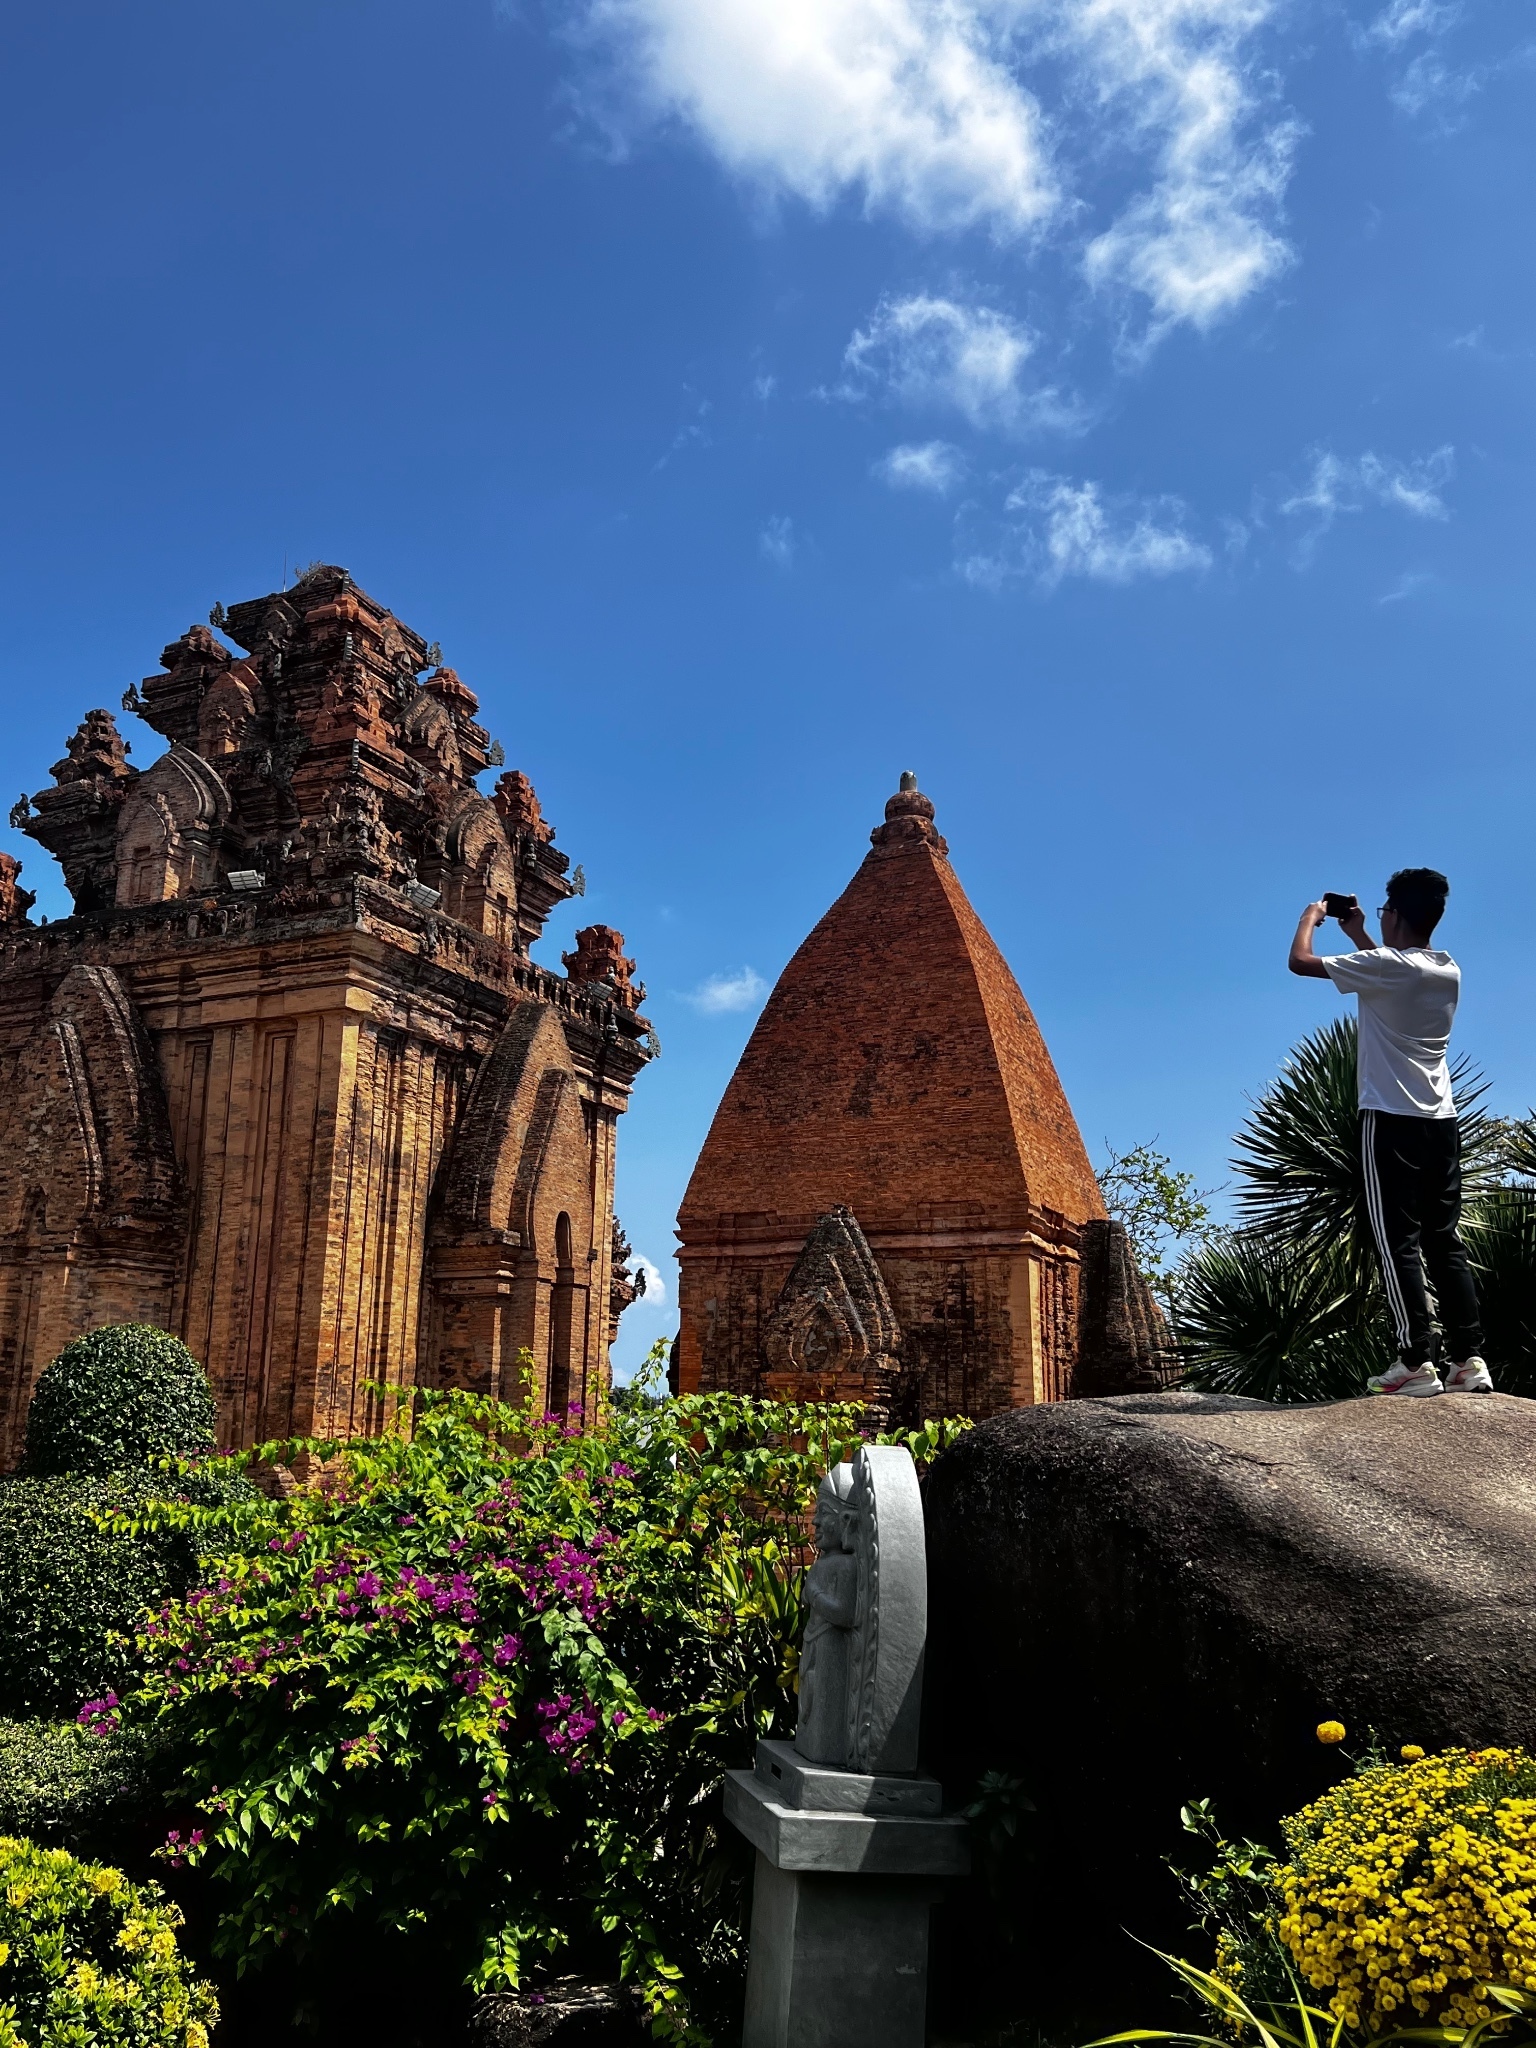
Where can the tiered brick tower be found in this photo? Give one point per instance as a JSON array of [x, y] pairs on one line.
[[895, 1076], [287, 1081]]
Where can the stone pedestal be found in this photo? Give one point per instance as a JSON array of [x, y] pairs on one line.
[[847, 1865]]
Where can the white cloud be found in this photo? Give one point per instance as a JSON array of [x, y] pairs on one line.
[[1057, 528], [922, 466], [1339, 485], [911, 103], [776, 540], [931, 353], [655, 1295], [725, 992], [1407, 585], [930, 110]]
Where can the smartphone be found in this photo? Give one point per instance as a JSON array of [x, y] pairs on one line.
[[1337, 905]]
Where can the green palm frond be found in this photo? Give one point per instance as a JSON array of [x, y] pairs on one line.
[[1279, 1320]]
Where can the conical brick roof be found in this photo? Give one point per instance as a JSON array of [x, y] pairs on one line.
[[896, 1068]]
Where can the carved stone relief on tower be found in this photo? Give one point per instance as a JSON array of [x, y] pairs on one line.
[[833, 1333]]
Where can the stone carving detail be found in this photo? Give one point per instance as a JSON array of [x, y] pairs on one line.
[[599, 957], [624, 1287], [170, 828], [332, 763], [861, 1667], [1123, 1346], [15, 901], [833, 1333]]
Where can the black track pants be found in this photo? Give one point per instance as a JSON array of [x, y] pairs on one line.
[[1413, 1197]]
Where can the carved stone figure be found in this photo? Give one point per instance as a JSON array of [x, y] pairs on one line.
[[866, 1596], [831, 1606], [849, 1835]]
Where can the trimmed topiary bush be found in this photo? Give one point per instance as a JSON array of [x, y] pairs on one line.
[[123, 1395], [85, 1956], [69, 1585], [68, 1788]]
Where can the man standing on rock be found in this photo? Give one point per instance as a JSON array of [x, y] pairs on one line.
[[1410, 1142]]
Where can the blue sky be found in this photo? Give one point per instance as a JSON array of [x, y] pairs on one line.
[[1118, 411]]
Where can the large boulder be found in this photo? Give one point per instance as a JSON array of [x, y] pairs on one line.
[[1144, 1600]]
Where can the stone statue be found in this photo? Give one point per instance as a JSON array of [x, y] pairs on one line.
[[866, 1597], [849, 1834], [831, 1604]]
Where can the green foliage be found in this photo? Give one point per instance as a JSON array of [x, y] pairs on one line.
[[481, 1688], [76, 1573], [63, 1786], [88, 1960], [120, 1396], [1161, 1209], [1230, 1891]]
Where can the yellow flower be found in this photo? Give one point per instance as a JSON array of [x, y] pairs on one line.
[[1410, 1753], [1330, 1731]]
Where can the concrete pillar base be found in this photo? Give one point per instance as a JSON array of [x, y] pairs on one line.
[[846, 1870]]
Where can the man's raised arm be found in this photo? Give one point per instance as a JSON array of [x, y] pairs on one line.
[[1303, 960]]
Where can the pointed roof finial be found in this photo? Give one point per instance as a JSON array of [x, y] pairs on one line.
[[908, 818]]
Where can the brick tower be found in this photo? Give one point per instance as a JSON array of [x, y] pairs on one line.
[[893, 1196], [287, 1081]]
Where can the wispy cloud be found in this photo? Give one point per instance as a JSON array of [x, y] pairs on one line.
[[962, 114], [935, 466], [930, 353], [776, 540], [721, 993], [1407, 585], [1339, 485], [1412, 34], [1053, 528], [1180, 80]]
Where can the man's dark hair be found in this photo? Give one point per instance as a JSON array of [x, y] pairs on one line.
[[1418, 896]]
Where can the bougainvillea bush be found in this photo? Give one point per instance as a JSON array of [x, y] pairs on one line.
[[482, 1683]]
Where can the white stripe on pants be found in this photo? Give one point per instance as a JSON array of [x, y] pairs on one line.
[[1378, 1227]]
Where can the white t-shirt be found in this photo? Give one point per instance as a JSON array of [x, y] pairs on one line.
[[1407, 1002]]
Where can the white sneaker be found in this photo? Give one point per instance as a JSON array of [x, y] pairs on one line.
[[1470, 1377], [1406, 1379]]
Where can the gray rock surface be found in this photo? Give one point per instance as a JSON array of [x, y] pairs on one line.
[[1158, 1597]]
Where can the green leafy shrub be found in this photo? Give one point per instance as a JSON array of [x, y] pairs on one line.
[[125, 1395], [76, 1573], [482, 1686], [88, 1958], [66, 1787]]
